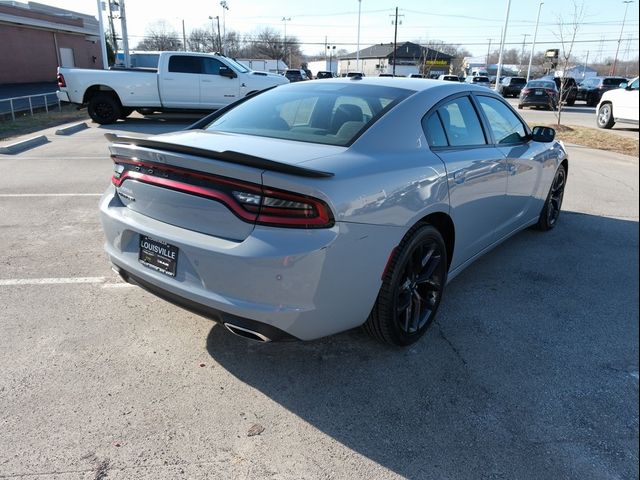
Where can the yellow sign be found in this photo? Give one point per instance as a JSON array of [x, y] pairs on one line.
[[436, 62]]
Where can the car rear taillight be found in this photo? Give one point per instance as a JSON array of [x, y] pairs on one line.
[[550, 91], [525, 91], [248, 201], [61, 82]]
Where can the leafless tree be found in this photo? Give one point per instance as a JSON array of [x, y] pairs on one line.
[[567, 33], [160, 36], [200, 40]]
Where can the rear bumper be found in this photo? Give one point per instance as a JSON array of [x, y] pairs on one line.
[[305, 283], [62, 96]]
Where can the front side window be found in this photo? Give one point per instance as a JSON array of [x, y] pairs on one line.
[[211, 66], [504, 124], [333, 114], [185, 64], [634, 84], [461, 123]]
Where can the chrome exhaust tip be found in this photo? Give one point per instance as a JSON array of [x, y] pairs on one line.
[[246, 333]]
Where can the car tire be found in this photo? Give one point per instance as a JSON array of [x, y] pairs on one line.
[[604, 119], [411, 290], [104, 108], [553, 204]]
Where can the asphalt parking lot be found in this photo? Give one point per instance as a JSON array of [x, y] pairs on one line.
[[530, 372]]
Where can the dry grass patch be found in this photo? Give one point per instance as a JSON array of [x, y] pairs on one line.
[[26, 123], [598, 139]]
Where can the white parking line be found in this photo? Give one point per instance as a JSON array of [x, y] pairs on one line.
[[50, 281], [19, 195]]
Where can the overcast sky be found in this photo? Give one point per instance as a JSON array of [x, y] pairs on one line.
[[470, 23]]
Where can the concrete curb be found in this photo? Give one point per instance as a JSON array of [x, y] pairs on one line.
[[72, 129], [23, 145]]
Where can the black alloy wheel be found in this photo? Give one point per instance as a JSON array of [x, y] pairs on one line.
[[104, 109], [551, 210], [412, 288]]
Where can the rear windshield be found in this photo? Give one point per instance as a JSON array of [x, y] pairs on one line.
[[328, 113], [541, 84], [518, 81], [480, 79], [613, 81]]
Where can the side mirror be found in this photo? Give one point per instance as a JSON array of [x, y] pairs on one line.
[[543, 134], [227, 72], [623, 85]]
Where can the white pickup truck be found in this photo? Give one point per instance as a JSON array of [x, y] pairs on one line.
[[182, 81]]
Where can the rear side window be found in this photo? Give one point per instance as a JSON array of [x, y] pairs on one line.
[[505, 126], [461, 123], [433, 130], [613, 81], [185, 64]]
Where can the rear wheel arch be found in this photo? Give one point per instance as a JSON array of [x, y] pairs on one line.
[[443, 223], [94, 90]]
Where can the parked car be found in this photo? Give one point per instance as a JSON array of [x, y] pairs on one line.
[[416, 75], [324, 74], [539, 93], [591, 89], [511, 86], [182, 81], [291, 214], [570, 91], [386, 75], [296, 75], [479, 80], [355, 74], [449, 78], [619, 105]]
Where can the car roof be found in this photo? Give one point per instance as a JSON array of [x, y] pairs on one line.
[[413, 84]]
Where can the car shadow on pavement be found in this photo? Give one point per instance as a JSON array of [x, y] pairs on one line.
[[527, 373]]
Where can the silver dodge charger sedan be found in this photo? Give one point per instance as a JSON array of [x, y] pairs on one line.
[[317, 207]]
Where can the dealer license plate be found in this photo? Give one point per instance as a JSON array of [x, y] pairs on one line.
[[539, 92], [158, 255]]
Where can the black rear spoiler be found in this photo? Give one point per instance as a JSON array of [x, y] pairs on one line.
[[225, 156]]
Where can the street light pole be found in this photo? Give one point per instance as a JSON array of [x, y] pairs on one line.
[[524, 42], [615, 59], [488, 53], [504, 36], [535, 36], [103, 41], [358, 43], [225, 6]]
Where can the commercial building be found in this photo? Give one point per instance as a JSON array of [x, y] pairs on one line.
[[38, 38], [409, 58]]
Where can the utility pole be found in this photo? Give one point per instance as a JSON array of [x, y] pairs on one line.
[[358, 44], [503, 37], [488, 52], [184, 37], [285, 20], [615, 59], [103, 41], [395, 40], [125, 38], [584, 68], [524, 41], [114, 38]]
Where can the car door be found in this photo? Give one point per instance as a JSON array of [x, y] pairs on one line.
[[476, 175], [217, 90], [525, 161], [626, 102], [180, 85]]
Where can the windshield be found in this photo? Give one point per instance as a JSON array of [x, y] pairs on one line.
[[237, 66], [328, 113]]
